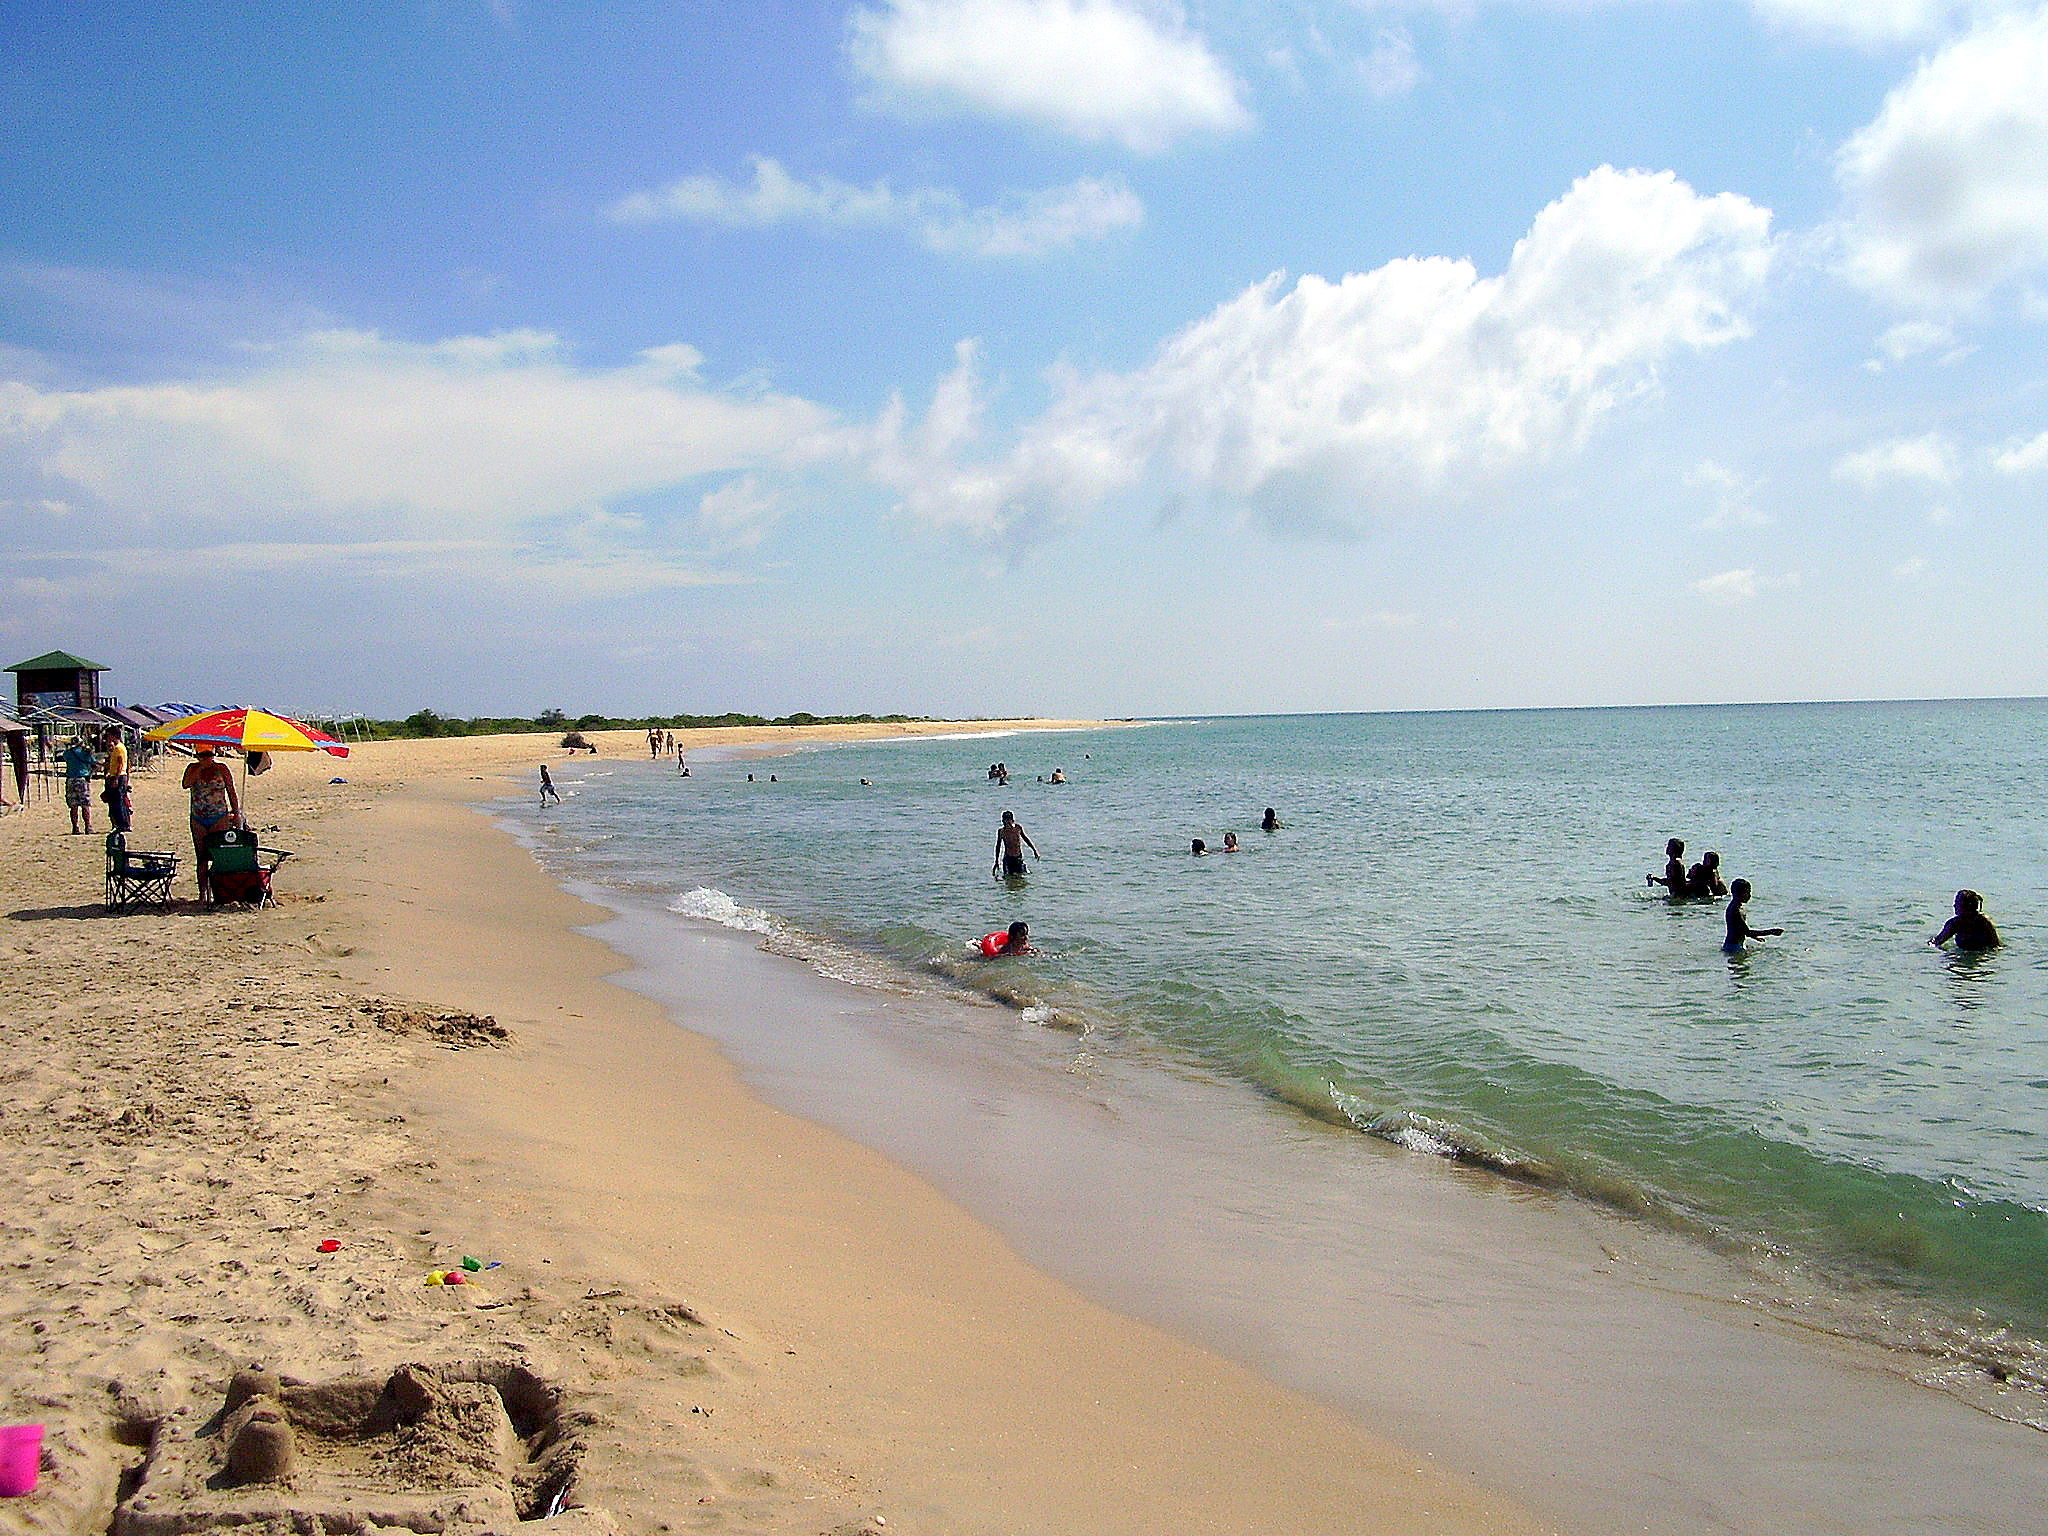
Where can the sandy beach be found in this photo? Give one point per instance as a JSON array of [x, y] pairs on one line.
[[702, 1313]]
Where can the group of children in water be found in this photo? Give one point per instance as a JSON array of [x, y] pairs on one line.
[[1968, 930]]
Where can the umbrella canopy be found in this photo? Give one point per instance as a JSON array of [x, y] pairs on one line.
[[253, 730]]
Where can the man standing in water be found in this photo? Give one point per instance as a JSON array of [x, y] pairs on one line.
[[1011, 841], [547, 788]]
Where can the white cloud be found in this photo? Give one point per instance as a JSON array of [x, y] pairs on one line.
[[1948, 186], [2024, 458], [1390, 69], [1872, 21], [739, 514], [1033, 225], [1734, 496], [1095, 69], [1912, 568], [1315, 405], [1929, 459], [352, 427], [1740, 586], [538, 568], [1916, 338]]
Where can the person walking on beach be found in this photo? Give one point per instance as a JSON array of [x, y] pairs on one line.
[[1011, 841], [215, 805], [79, 764], [547, 788], [1970, 928], [1739, 930], [1674, 877], [115, 769]]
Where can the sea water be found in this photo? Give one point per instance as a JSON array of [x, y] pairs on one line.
[[1449, 945]]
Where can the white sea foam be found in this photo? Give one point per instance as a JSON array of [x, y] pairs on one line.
[[714, 906]]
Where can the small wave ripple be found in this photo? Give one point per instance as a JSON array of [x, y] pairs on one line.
[[714, 906]]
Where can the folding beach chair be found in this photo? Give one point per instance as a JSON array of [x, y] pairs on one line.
[[235, 870], [137, 878]]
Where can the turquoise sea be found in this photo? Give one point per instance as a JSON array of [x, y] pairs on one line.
[[1450, 945]]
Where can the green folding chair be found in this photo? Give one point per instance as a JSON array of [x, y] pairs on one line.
[[235, 868]]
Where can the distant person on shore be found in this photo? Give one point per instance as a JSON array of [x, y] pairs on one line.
[[1011, 841], [1969, 928], [1704, 878], [1230, 842], [1739, 931], [547, 788], [115, 793], [215, 805], [1674, 877], [1198, 848], [1016, 941], [1271, 821], [79, 765]]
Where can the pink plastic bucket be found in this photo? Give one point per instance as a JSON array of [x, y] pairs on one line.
[[21, 1458]]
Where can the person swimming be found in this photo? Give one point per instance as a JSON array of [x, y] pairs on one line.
[[1704, 878], [1673, 879], [1271, 821], [1016, 941], [1230, 842], [1198, 848], [1059, 776], [1970, 928], [1739, 930]]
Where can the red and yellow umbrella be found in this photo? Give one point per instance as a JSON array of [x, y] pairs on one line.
[[252, 730]]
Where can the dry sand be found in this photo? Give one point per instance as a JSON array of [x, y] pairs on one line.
[[707, 1315]]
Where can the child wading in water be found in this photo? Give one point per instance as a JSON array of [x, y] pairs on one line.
[[1738, 921]]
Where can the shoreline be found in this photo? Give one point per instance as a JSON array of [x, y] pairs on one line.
[[1012, 1401], [760, 1325]]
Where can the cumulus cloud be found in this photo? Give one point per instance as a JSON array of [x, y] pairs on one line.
[[1929, 459], [1316, 405], [2024, 458], [356, 429], [1034, 225], [1947, 188], [1094, 69], [1740, 586]]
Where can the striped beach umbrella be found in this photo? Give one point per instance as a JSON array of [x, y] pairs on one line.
[[252, 730]]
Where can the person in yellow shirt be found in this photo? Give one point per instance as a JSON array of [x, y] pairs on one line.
[[115, 767]]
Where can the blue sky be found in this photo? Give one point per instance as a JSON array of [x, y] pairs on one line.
[[1071, 356]]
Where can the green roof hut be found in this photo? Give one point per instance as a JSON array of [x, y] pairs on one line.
[[57, 680]]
